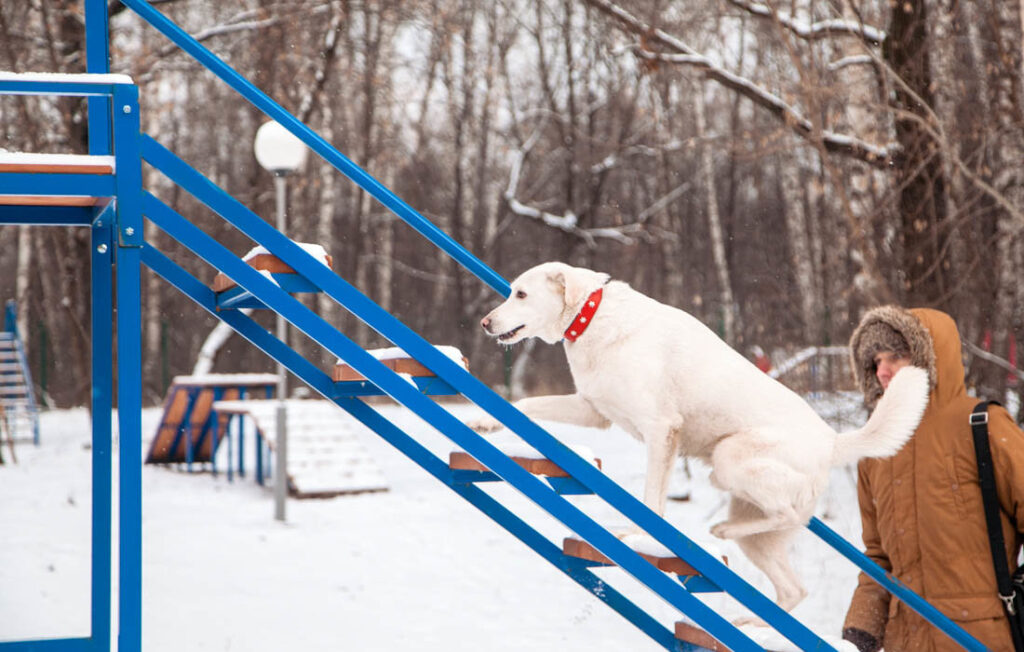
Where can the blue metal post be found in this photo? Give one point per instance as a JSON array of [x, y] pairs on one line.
[[97, 60], [102, 441], [129, 362]]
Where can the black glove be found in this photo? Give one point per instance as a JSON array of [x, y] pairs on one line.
[[865, 642]]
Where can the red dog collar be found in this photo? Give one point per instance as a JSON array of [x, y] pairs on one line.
[[586, 313]]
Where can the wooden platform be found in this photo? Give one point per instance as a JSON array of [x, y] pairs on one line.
[[400, 365], [188, 413], [325, 455], [580, 549], [262, 262], [462, 461], [697, 636]]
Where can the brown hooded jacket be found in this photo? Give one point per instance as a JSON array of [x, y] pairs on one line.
[[921, 509]]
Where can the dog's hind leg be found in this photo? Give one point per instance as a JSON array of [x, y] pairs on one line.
[[783, 496], [769, 551]]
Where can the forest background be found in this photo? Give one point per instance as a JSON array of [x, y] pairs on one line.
[[772, 167]]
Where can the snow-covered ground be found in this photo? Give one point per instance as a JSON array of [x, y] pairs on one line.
[[415, 567]]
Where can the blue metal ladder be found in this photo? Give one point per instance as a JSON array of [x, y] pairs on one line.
[[18, 405], [712, 572]]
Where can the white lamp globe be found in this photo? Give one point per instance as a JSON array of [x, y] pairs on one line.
[[277, 149]]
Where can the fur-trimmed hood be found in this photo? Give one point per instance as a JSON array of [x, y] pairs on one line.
[[913, 331]]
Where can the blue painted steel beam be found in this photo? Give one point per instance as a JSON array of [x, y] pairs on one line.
[[56, 185], [398, 333], [128, 236], [51, 645], [895, 587], [97, 60], [321, 383], [82, 87], [533, 488], [47, 215], [102, 439], [314, 141], [238, 297]]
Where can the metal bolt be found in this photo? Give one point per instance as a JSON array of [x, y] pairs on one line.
[[102, 248], [129, 231], [126, 108]]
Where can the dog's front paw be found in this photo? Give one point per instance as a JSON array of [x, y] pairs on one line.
[[485, 424], [723, 530]]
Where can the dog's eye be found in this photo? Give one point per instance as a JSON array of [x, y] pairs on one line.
[[520, 294]]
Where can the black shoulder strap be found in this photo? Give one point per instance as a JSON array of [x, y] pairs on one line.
[[987, 480]]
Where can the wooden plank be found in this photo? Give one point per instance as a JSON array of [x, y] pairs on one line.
[[263, 262], [50, 200], [56, 168], [409, 366], [696, 636], [579, 548], [174, 413], [462, 461]]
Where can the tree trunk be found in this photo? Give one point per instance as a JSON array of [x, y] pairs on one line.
[[922, 201], [707, 166]]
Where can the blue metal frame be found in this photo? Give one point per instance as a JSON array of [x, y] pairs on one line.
[[112, 227]]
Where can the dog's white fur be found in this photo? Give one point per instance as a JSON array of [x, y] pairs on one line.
[[662, 376]]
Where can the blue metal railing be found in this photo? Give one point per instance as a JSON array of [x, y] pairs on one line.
[[314, 141]]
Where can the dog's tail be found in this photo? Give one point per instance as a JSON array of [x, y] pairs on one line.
[[891, 424]]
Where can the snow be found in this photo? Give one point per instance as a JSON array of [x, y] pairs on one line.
[[314, 250], [395, 353], [415, 567], [63, 77], [227, 379], [28, 158]]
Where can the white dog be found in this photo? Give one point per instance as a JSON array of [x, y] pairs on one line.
[[662, 376]]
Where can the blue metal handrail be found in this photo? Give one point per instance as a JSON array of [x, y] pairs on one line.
[[314, 141]]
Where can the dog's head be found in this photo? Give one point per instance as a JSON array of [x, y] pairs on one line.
[[543, 302]]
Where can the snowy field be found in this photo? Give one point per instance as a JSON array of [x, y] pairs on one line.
[[415, 567]]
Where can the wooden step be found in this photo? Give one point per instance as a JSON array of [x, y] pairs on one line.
[[696, 636], [573, 547], [264, 262], [462, 461], [51, 200], [394, 361]]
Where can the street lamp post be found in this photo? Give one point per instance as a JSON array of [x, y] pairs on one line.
[[280, 153]]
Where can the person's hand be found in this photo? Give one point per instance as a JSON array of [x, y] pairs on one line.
[[864, 641]]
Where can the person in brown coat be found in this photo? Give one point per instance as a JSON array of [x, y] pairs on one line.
[[921, 509]]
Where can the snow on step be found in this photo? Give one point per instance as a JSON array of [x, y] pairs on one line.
[[325, 456]]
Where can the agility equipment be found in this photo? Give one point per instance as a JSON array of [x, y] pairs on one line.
[[111, 202]]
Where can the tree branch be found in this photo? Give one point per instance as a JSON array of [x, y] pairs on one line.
[[814, 31], [680, 53]]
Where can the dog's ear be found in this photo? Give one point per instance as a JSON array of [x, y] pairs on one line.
[[576, 283]]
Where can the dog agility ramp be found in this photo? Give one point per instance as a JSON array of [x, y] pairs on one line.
[[325, 456]]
